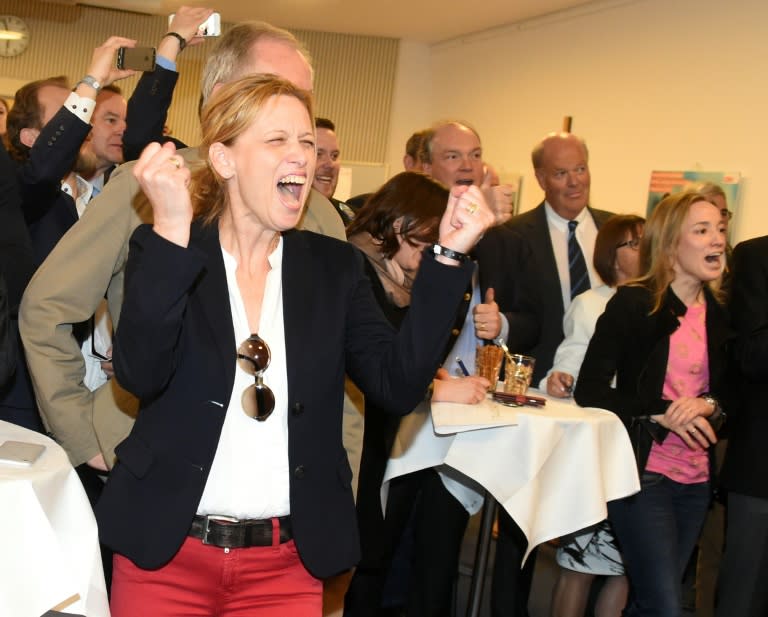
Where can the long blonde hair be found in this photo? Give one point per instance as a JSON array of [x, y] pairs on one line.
[[658, 247], [230, 111]]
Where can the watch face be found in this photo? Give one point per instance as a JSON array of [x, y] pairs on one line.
[[14, 35]]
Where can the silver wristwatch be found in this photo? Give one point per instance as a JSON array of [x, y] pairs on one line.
[[90, 81], [712, 401]]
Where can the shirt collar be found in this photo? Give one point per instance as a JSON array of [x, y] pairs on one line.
[[558, 221]]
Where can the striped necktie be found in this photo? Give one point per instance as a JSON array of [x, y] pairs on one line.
[[576, 264]]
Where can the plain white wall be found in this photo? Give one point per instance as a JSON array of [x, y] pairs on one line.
[[411, 100], [651, 84]]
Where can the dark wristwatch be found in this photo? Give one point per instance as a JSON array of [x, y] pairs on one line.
[[439, 249], [182, 41]]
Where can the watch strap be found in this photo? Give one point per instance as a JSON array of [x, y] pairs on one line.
[[181, 39], [91, 81], [439, 249]]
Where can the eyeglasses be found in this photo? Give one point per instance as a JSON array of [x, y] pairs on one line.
[[726, 213], [634, 243], [253, 357]]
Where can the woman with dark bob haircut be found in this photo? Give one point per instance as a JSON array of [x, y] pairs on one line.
[[663, 336], [393, 228]]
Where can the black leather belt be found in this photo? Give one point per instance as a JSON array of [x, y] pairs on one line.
[[227, 532]]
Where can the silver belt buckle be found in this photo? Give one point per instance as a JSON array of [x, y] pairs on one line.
[[215, 518]]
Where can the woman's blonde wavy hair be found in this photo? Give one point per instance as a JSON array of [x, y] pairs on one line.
[[658, 247], [229, 112]]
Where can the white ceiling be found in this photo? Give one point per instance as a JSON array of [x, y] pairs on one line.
[[428, 21]]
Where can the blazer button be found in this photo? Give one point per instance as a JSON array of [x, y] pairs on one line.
[[61, 127], [299, 471], [467, 297], [455, 332], [297, 409]]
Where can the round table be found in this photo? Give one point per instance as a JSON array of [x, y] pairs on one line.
[[49, 548], [553, 469]]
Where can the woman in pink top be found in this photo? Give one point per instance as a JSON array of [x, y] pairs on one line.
[[664, 336]]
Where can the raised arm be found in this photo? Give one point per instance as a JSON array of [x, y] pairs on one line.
[[86, 264], [150, 101]]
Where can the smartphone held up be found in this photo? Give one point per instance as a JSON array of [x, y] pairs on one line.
[[136, 58], [210, 27]]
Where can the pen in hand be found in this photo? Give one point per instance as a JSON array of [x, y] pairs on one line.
[[462, 367]]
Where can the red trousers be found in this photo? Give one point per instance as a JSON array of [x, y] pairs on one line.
[[207, 581]]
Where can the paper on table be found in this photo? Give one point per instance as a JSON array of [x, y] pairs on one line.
[[20, 453], [451, 418]]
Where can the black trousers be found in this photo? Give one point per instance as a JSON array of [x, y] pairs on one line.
[[439, 522], [511, 585], [94, 485]]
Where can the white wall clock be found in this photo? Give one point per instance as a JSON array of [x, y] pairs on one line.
[[14, 35]]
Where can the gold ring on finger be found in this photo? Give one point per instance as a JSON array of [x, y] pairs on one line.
[[472, 207], [176, 161]]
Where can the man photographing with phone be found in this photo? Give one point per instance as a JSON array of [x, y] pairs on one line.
[[148, 107], [49, 130]]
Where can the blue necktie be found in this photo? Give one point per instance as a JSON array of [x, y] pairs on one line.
[[576, 264]]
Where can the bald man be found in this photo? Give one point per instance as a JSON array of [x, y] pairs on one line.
[[527, 262]]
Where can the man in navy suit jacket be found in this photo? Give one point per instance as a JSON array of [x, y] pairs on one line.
[[48, 129]]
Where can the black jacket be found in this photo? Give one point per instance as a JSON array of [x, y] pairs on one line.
[[634, 345], [175, 349], [745, 469]]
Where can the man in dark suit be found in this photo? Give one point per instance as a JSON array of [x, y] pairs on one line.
[[103, 150], [528, 262], [16, 267], [48, 130], [47, 127], [742, 589]]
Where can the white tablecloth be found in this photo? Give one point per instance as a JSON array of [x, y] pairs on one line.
[[49, 549], [553, 470]]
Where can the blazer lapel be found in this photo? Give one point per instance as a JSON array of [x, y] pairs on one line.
[[213, 294], [298, 296], [545, 253]]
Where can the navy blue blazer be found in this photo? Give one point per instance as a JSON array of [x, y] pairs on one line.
[[175, 349], [49, 212], [148, 111]]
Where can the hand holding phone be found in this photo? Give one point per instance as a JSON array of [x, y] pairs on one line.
[[102, 66], [136, 58], [210, 26]]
